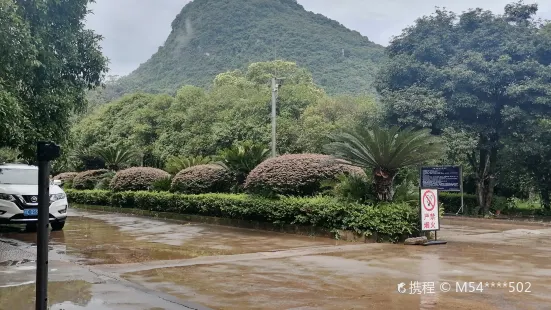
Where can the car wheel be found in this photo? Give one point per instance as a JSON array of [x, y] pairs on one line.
[[57, 225]]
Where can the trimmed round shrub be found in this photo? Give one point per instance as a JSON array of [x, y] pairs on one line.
[[89, 179], [66, 176], [296, 174], [202, 179], [137, 179]]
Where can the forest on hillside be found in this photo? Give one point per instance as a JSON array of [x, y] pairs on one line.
[[207, 40]]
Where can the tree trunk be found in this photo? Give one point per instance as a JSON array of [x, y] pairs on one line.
[[491, 181], [485, 173], [545, 199], [384, 184]]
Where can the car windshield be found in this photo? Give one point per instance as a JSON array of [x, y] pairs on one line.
[[19, 176]]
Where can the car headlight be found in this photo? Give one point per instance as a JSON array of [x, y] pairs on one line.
[[7, 197], [56, 197]]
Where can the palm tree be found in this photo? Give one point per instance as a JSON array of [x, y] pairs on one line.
[[385, 152], [116, 157], [176, 164], [242, 158]]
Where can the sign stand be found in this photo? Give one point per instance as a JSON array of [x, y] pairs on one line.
[[461, 185], [429, 213]]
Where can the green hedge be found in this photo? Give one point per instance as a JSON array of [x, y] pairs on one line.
[[390, 222], [452, 202]]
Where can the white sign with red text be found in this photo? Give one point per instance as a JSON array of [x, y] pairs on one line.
[[430, 218]]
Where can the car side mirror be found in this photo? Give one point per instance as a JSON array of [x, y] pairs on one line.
[[56, 182]]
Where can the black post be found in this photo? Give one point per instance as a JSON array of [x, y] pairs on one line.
[[43, 233], [46, 152]]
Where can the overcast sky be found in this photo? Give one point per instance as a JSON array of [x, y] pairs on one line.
[[134, 29]]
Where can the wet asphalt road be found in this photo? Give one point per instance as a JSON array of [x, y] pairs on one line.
[[107, 261]]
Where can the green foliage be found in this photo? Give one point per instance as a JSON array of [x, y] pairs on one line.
[[452, 203], [48, 60], [385, 151], [176, 164], [162, 185], [209, 37], [352, 188], [89, 179], [199, 122], [242, 158], [529, 154], [480, 73], [201, 179], [296, 174], [392, 222], [67, 185], [104, 182], [137, 178], [9, 155], [116, 158]]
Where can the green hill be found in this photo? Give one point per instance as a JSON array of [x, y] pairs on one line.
[[213, 36]]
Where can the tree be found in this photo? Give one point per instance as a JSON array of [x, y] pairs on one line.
[[481, 73], [48, 61], [385, 152]]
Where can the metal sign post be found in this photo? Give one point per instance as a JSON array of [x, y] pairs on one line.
[[46, 152], [430, 215]]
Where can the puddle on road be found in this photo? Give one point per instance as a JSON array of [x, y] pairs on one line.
[[75, 293], [82, 295], [367, 279], [119, 239]]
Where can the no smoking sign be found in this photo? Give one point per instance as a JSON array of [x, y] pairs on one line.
[[430, 217]]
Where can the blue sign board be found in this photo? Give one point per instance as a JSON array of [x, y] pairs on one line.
[[446, 178]]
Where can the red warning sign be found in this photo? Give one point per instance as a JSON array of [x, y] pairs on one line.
[[430, 219]]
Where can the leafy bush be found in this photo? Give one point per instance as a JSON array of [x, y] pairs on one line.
[[201, 179], [176, 164], [296, 174], [353, 188], [66, 176], [68, 184], [105, 181], [389, 221], [452, 203], [90, 197], [89, 179], [242, 158], [162, 185], [9, 155], [137, 178]]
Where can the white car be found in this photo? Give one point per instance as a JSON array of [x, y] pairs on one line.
[[19, 197]]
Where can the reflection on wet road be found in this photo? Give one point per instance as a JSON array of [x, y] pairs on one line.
[[105, 261]]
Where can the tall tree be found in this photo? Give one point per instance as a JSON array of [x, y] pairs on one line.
[[481, 72], [49, 60]]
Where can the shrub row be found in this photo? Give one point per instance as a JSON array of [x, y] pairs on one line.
[[452, 203], [390, 222]]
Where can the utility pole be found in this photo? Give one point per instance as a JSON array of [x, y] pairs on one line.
[[274, 100]]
